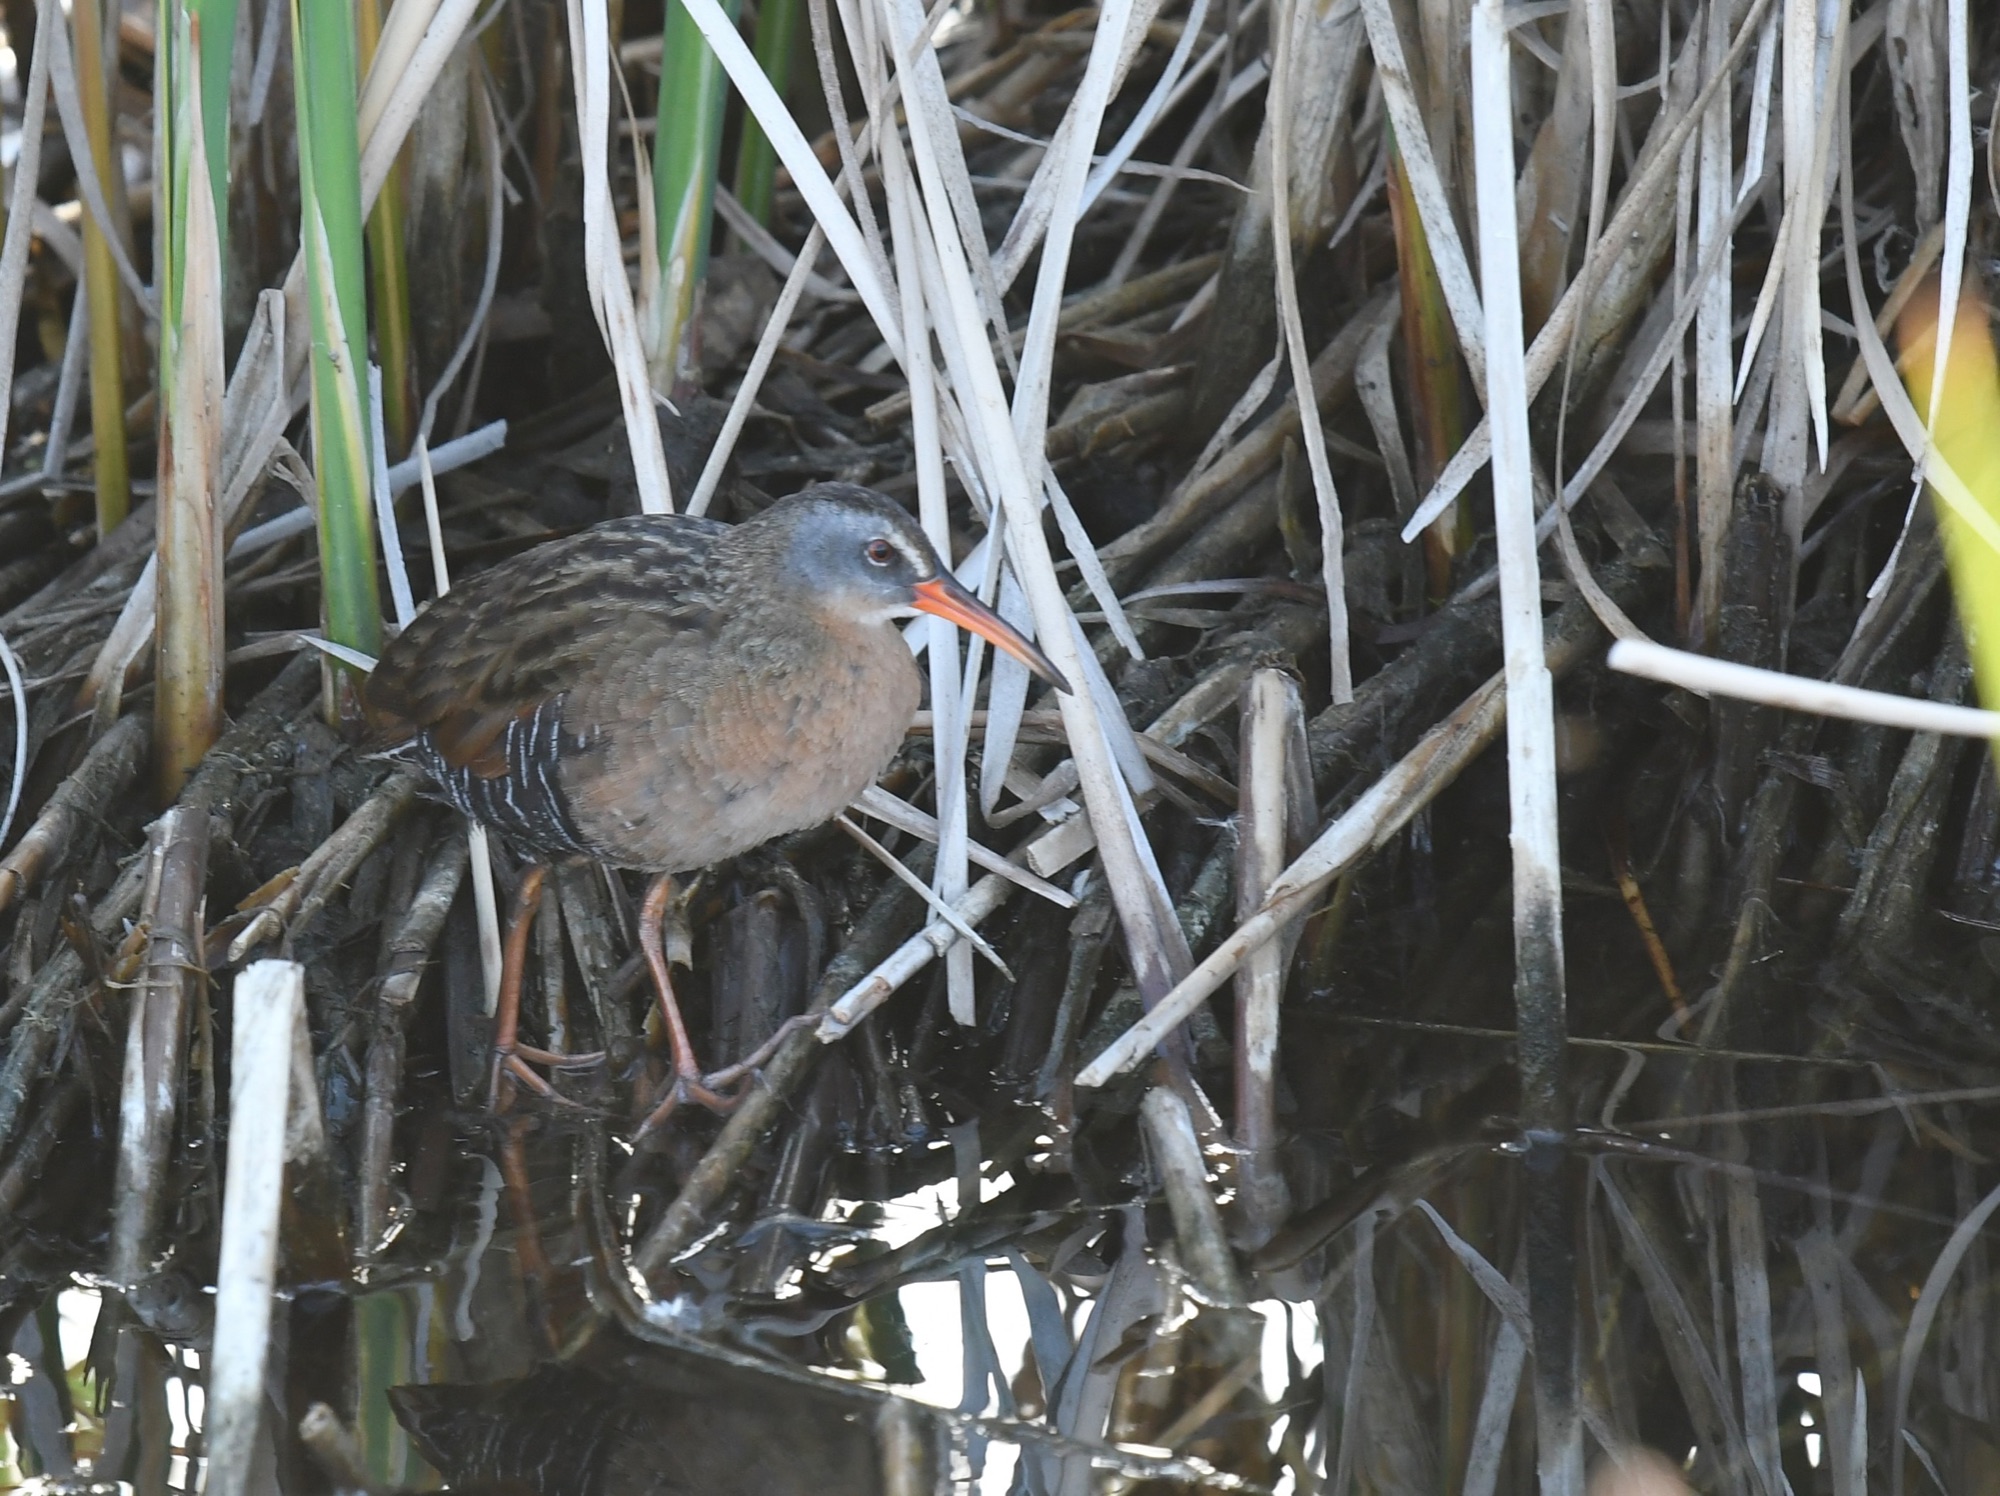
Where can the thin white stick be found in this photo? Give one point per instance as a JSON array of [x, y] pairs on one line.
[[1957, 198], [20, 203], [1070, 174], [1157, 946], [911, 957], [1923, 1314], [1811, 59], [1496, 1404], [1164, 90], [878, 804], [1083, 551], [1641, 196], [1229, 94], [1375, 392], [460, 451], [403, 32], [977, 466], [19, 696], [1756, 137], [1381, 811], [753, 376], [603, 259], [270, 30], [1993, 156], [407, 75], [1461, 298], [807, 174], [1530, 717], [917, 63], [1050, 850], [1247, 405], [1896, 405], [69, 386], [353, 658], [268, 1008], [1707, 676], [949, 876], [486, 910], [400, 596], [843, 132], [69, 110], [485, 904], [1715, 435], [761, 242], [922, 890], [405, 475], [1273, 748], [1177, 1159], [1331, 532], [1539, 997]]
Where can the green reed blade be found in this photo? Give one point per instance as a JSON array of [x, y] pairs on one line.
[[686, 145], [323, 59], [756, 162]]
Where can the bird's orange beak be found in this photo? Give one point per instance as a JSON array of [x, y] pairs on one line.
[[943, 597]]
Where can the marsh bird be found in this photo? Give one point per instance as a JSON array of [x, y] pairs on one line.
[[663, 692]]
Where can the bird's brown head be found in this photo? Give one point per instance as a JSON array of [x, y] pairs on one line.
[[860, 555]]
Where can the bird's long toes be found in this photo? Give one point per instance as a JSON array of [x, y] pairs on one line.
[[558, 1061]]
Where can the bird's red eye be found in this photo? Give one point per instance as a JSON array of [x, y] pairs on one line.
[[879, 551]]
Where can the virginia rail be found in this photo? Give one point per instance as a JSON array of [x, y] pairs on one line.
[[663, 692]]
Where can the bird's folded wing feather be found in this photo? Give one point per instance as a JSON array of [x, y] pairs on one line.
[[514, 637]]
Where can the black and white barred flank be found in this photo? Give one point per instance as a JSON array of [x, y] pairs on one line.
[[527, 804]]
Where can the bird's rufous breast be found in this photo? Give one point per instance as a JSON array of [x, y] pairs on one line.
[[702, 754]]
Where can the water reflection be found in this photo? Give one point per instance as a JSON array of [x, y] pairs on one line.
[[499, 1341]]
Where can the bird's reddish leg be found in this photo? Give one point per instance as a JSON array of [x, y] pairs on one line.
[[510, 1056], [652, 916], [687, 1082]]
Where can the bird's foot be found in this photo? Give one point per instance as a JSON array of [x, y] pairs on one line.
[[689, 1088], [514, 1063], [512, 1060], [719, 1091]]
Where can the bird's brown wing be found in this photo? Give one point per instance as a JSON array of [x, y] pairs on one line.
[[516, 636]]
